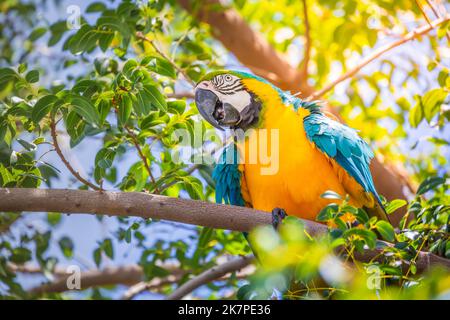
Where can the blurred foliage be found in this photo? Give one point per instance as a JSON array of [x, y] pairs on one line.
[[301, 267], [102, 83]]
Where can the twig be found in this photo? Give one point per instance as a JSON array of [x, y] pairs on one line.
[[180, 95], [307, 50], [209, 275], [141, 36], [142, 156], [407, 37], [423, 13], [436, 13], [75, 173], [154, 284]]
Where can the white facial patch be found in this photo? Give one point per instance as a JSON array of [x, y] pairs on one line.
[[228, 89], [238, 100]]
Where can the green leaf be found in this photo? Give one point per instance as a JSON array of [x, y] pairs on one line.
[[416, 115], [96, 7], [177, 106], [442, 78], [327, 213], [32, 76], [27, 145], [54, 218], [432, 102], [245, 292], [42, 107], [394, 205], [429, 184], [108, 248], [114, 23], [20, 255], [125, 108], [75, 127], [37, 33], [66, 245], [7, 75], [160, 66], [105, 157], [85, 109], [22, 67], [386, 230], [97, 256], [155, 97], [84, 40], [369, 237]]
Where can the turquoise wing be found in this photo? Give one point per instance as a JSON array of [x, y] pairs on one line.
[[344, 145], [227, 177]]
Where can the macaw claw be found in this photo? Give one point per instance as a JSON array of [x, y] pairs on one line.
[[278, 215]]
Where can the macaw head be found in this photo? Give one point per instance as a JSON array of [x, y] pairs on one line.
[[225, 99]]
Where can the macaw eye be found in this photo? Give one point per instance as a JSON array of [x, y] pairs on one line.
[[228, 78]]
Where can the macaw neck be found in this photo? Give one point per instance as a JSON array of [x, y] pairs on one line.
[[275, 102]]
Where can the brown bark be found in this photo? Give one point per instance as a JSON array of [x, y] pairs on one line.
[[256, 53], [127, 275], [248, 46], [161, 207]]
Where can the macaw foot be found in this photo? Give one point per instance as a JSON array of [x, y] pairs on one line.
[[278, 215]]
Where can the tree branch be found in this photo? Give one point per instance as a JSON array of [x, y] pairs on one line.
[[407, 37], [130, 275], [208, 276], [148, 206], [157, 283], [181, 95], [436, 13], [75, 173], [249, 47], [126, 275], [152, 285], [307, 50]]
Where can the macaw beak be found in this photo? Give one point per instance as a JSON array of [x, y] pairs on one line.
[[214, 111]]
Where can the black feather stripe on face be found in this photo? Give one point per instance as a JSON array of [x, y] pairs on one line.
[[227, 86]]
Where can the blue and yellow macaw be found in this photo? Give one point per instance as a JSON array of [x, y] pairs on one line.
[[315, 152]]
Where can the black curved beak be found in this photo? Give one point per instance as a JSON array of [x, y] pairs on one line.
[[209, 106], [218, 114]]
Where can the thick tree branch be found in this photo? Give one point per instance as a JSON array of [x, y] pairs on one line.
[[407, 37], [161, 207], [208, 276], [248, 46], [69, 167]]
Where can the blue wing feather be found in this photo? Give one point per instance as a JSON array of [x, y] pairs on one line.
[[344, 145], [227, 176]]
